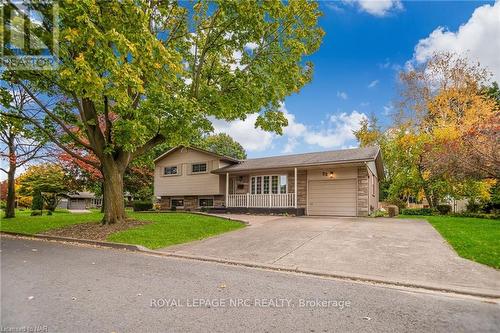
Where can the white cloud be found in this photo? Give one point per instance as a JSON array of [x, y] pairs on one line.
[[342, 94], [333, 133], [478, 39], [337, 132], [373, 84], [377, 7], [244, 131]]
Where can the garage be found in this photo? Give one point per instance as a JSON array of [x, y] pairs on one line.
[[332, 197]]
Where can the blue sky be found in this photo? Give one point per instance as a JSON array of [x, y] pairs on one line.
[[366, 43]]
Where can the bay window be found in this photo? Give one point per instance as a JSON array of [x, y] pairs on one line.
[[268, 184]]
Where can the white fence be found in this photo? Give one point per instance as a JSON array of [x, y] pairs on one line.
[[261, 200]]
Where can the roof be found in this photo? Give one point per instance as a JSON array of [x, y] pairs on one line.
[[81, 195], [308, 159], [222, 157]]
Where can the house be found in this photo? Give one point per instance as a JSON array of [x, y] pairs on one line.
[[80, 201], [338, 183]]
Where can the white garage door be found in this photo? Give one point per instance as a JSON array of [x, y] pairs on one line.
[[332, 197]]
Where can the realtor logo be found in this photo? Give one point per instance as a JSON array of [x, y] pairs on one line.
[[28, 35]]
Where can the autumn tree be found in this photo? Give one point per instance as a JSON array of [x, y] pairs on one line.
[[450, 124], [134, 74], [20, 143], [48, 180]]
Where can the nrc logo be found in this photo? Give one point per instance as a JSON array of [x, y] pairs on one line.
[[28, 35]]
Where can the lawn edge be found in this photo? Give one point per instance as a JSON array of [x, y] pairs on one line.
[[340, 276]]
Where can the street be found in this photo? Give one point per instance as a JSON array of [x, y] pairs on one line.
[[66, 288]]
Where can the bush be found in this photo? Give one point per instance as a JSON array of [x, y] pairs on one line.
[[477, 215], [37, 202], [473, 206], [417, 211], [3, 204], [36, 213], [443, 209], [379, 213], [140, 206]]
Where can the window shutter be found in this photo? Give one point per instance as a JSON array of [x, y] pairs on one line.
[[179, 169]]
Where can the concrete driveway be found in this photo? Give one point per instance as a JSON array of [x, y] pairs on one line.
[[393, 250]]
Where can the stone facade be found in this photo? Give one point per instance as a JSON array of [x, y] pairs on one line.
[[362, 202], [191, 202]]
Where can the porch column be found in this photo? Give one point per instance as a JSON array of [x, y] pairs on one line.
[[227, 189], [295, 186]]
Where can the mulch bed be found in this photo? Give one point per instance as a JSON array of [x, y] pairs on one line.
[[94, 231]]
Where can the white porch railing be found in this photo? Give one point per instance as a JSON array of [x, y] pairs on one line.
[[261, 200]]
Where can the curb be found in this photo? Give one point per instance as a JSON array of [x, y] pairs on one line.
[[348, 277]]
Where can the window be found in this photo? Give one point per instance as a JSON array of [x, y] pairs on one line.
[[171, 170], [206, 202], [275, 184], [268, 184], [198, 167], [177, 202], [283, 184]]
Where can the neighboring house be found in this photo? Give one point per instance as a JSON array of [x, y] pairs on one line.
[[80, 201], [339, 183]]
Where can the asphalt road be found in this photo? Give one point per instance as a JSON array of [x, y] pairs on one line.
[[66, 288]]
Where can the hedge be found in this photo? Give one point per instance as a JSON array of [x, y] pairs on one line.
[[140, 206], [417, 211]]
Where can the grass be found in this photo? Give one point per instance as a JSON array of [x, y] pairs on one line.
[[173, 228], [26, 224], [473, 238], [166, 228]]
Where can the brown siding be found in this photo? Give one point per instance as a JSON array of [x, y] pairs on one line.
[[363, 191]]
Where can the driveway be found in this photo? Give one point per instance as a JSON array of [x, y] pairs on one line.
[[87, 289], [393, 250]]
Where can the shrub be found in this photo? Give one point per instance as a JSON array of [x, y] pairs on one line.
[[36, 213], [417, 211], [443, 209], [379, 213], [37, 202], [478, 215], [473, 206], [3, 204], [140, 206]]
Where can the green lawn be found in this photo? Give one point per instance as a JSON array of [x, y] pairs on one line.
[[173, 228], [473, 238], [26, 224], [166, 228]]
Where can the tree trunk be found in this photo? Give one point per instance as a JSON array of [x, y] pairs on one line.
[[10, 210], [114, 208], [102, 196]]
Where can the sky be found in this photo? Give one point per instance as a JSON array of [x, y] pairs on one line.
[[366, 44]]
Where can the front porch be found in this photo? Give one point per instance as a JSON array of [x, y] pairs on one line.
[[261, 200], [262, 190]]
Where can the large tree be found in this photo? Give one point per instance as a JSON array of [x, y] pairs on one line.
[[134, 74], [20, 143], [223, 144]]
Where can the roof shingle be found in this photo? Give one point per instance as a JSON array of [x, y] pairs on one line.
[[307, 159]]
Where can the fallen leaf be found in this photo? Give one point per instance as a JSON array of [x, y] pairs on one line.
[[367, 318], [31, 297]]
